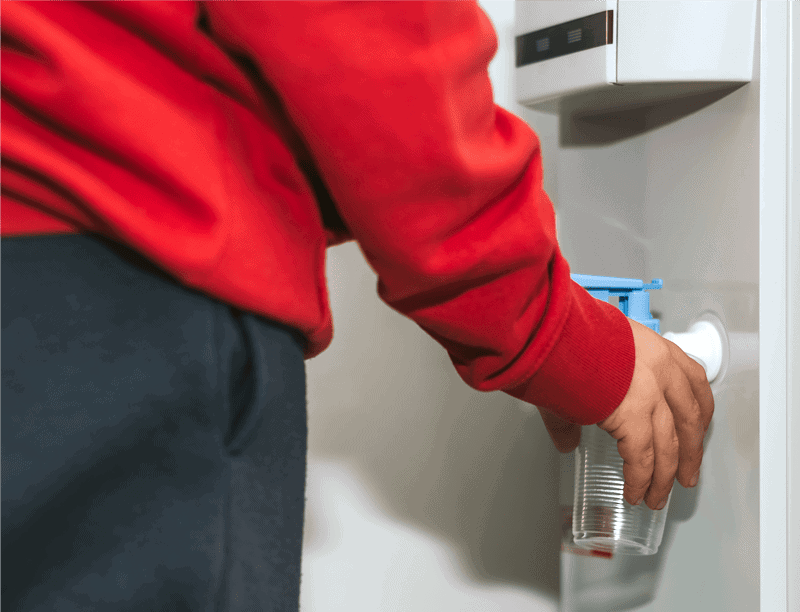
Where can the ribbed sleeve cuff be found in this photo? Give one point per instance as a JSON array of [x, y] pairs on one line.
[[589, 370]]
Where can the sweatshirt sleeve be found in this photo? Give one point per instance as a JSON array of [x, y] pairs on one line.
[[441, 188]]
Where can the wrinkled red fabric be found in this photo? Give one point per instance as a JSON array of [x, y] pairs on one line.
[[232, 142]]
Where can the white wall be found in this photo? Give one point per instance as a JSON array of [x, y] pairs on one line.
[[677, 199], [423, 494]]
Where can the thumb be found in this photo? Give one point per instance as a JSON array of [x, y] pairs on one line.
[[565, 435]]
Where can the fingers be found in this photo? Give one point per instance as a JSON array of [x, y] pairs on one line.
[[662, 421], [638, 454], [690, 425], [666, 445], [698, 382]]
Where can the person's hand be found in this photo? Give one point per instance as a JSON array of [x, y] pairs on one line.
[[660, 424]]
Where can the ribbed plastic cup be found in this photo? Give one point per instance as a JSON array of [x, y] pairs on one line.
[[602, 520]]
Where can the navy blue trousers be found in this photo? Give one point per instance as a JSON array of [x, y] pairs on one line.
[[153, 439]]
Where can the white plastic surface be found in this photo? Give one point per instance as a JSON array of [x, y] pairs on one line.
[[576, 72], [660, 51], [704, 342], [682, 203], [685, 41]]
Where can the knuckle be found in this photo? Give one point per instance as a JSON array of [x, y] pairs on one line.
[[696, 371], [663, 351], [647, 458], [692, 418], [674, 448]]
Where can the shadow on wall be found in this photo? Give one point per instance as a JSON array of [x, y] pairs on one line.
[[474, 470], [591, 128]]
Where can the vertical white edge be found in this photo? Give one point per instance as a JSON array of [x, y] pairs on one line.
[[793, 318], [773, 302], [613, 58]]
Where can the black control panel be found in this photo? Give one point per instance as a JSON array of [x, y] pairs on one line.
[[569, 37]]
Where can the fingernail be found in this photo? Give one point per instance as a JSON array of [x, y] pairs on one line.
[[695, 478], [639, 501], [661, 505]]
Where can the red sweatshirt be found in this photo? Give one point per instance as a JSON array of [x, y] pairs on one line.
[[232, 142]]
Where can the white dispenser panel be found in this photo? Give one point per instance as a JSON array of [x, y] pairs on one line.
[[598, 56], [541, 27]]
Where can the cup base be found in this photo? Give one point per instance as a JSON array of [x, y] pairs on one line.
[[598, 541]]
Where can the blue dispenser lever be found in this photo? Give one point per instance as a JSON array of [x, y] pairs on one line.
[[634, 301]]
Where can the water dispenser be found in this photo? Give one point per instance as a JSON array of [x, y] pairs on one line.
[[602, 520]]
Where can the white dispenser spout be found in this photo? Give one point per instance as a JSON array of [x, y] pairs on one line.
[[705, 342]]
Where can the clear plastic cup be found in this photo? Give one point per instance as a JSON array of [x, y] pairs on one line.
[[602, 520]]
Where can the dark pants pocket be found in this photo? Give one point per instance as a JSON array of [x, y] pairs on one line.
[[153, 439]]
